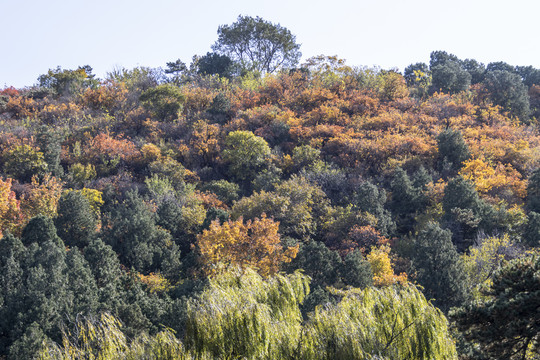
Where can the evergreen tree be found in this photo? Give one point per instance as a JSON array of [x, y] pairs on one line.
[[465, 213], [139, 242], [75, 223], [39, 230], [452, 149], [507, 325], [439, 268], [356, 271], [368, 197], [407, 201], [533, 192]]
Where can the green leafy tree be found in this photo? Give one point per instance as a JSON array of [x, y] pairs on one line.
[[393, 322], [107, 273], [246, 154], [176, 69], [320, 263], [506, 326], [242, 315], [164, 101], [531, 235], [50, 143], [500, 66], [215, 64], [406, 202], [529, 74], [258, 44], [533, 192], [507, 90], [450, 78], [452, 150], [40, 229], [23, 161], [68, 82], [475, 69], [369, 198], [137, 239], [439, 268], [465, 213], [76, 223]]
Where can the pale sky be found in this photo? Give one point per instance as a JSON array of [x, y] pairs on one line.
[[41, 34]]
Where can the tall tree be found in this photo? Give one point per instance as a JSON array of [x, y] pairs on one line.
[[507, 90], [439, 268], [507, 325], [258, 44], [76, 223], [453, 150]]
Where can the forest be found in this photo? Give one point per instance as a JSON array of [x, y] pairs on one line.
[[251, 206]]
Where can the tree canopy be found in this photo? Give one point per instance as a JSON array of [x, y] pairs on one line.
[[258, 44]]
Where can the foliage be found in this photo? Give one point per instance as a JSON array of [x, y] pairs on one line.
[[10, 216], [103, 339], [383, 273], [22, 162], [258, 44], [76, 223], [164, 101], [505, 326], [394, 322], [241, 314], [254, 244], [246, 153], [438, 267], [485, 259]]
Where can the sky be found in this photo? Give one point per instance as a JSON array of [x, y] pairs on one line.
[[38, 35]]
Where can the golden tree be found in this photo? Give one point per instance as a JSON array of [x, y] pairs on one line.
[[253, 244]]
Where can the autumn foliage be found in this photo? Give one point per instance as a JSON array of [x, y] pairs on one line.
[[253, 244]]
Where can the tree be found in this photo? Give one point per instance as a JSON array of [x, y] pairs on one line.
[[465, 212], [529, 74], [411, 71], [533, 192], [320, 263], [67, 82], [215, 64], [255, 244], [243, 315], [105, 338], [407, 201], [10, 216], [76, 224], [23, 161], [439, 268], [135, 236], [164, 101], [39, 230], [475, 69], [258, 44], [507, 90], [506, 326], [450, 77], [453, 150], [246, 154], [393, 322], [176, 69]]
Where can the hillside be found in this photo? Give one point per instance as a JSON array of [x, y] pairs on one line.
[[150, 196]]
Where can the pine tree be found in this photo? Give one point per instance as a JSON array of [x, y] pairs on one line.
[[75, 223], [439, 268], [506, 326]]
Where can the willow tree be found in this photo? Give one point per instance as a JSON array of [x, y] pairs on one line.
[[242, 315], [104, 339], [394, 322]]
